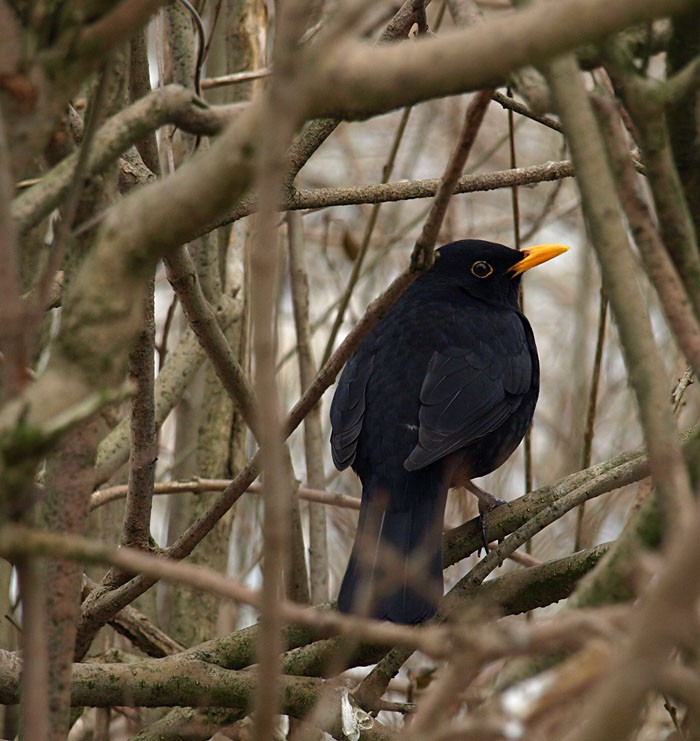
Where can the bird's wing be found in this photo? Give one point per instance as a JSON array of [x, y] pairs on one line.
[[348, 409], [469, 392]]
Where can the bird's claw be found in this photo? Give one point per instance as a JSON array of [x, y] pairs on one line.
[[484, 509]]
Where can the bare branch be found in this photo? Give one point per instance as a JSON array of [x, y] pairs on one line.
[[468, 59], [13, 342], [169, 104], [202, 318], [313, 445], [136, 528], [403, 190], [629, 308]]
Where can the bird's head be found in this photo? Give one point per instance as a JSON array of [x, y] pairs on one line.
[[490, 271]]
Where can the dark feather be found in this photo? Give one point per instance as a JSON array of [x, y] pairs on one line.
[[442, 388]]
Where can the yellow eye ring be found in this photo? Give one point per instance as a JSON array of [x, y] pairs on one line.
[[481, 269]]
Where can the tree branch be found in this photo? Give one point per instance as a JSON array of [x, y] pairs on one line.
[[467, 59], [170, 104]]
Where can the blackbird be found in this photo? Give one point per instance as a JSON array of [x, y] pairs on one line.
[[441, 391]]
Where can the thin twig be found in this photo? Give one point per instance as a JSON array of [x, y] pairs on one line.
[[677, 396], [236, 78], [408, 190], [515, 209], [589, 428], [515, 106], [113, 493], [366, 238]]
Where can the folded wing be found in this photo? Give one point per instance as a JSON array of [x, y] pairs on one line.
[[468, 393]]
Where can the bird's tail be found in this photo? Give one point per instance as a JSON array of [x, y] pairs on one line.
[[395, 569]]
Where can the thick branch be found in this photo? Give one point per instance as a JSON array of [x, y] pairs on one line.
[[471, 58], [170, 104], [609, 238]]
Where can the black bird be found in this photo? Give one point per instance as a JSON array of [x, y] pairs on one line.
[[441, 391]]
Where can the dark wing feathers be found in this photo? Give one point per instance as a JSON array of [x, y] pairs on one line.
[[348, 409], [468, 393], [469, 390]]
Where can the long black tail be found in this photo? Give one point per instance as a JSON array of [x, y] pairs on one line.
[[395, 569]]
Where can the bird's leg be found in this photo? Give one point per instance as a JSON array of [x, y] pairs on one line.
[[487, 502]]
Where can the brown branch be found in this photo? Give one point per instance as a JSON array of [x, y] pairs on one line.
[[73, 195], [183, 277], [169, 104], [136, 526], [659, 624], [236, 78], [139, 87], [281, 116], [115, 27], [591, 409], [629, 307], [408, 190], [659, 266], [366, 239], [313, 443], [138, 629], [644, 99], [64, 508], [182, 363], [35, 685], [14, 349], [467, 59], [195, 486], [511, 104], [422, 256]]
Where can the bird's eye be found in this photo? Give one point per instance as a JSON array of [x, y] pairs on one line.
[[481, 269]]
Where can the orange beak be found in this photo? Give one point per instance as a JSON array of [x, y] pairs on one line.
[[537, 255]]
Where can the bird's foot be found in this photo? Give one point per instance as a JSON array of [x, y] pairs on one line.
[[484, 523], [487, 503]]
